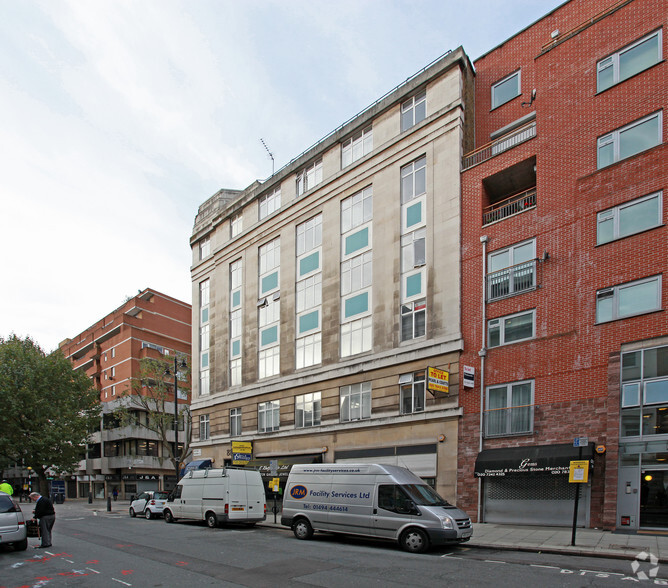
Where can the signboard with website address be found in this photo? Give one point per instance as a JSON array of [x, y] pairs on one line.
[[438, 381], [242, 452]]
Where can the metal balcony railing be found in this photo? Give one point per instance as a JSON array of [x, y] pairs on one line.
[[509, 207], [511, 280], [516, 420], [507, 141]]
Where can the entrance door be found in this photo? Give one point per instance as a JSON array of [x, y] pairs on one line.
[[654, 498]]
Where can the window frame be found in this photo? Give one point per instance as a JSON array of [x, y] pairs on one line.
[[312, 171], [412, 314], [502, 328], [204, 427], [614, 292], [517, 73], [410, 106], [314, 400], [363, 138], [269, 203], [411, 383], [235, 422], [614, 215], [269, 407], [236, 225], [362, 390], [614, 138], [204, 248], [508, 432]]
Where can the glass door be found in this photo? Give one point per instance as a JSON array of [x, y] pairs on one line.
[[654, 498]]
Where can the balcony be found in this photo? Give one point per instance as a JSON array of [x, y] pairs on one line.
[[504, 422], [511, 280], [509, 207], [503, 143]]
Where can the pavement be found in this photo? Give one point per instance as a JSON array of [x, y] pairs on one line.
[[588, 542]]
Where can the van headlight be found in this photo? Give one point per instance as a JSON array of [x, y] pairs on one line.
[[447, 523]]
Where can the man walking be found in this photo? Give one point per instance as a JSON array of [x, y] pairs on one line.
[[46, 515]]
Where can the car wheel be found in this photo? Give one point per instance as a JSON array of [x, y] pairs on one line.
[[302, 529], [21, 545], [414, 541], [148, 515], [169, 517], [211, 520], [132, 512]]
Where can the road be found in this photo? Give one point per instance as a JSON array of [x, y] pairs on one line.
[[100, 549]]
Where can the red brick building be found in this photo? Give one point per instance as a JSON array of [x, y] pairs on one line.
[[564, 270], [128, 458]]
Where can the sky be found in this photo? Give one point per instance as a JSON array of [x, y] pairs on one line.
[[118, 118]]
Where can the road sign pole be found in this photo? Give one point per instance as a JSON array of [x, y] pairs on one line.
[[577, 501]]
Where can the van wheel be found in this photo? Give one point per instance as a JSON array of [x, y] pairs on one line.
[[211, 520], [302, 529], [169, 517], [414, 541], [132, 512]]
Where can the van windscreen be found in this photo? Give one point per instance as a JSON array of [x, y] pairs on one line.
[[424, 495]]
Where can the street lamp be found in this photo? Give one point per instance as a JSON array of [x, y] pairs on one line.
[[177, 365]]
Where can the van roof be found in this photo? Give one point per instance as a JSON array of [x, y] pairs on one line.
[[401, 475]]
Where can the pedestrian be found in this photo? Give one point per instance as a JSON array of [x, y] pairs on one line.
[[115, 493], [6, 487], [45, 513]]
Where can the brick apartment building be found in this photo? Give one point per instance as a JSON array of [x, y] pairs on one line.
[[128, 458], [564, 255]]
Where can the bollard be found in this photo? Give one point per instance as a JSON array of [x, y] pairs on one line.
[[90, 498], [108, 503]]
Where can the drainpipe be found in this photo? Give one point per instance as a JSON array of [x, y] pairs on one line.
[[482, 353]]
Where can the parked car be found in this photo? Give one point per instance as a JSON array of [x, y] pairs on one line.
[[12, 523], [149, 504]]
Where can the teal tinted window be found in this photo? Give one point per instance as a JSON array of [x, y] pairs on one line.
[[270, 282], [309, 321], [309, 264], [269, 336], [236, 298], [413, 285], [414, 214], [236, 348], [357, 241], [357, 304]]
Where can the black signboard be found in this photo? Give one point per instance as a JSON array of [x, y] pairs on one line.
[[532, 459]]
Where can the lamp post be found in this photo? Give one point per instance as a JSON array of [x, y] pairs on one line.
[[177, 459]]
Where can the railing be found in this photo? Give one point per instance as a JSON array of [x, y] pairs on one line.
[[509, 207], [511, 280], [500, 145], [516, 420]]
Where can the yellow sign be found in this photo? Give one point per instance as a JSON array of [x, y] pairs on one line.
[[438, 381], [273, 485], [579, 472], [242, 447]]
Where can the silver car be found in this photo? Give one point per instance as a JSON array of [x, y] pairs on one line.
[[12, 524], [149, 504]]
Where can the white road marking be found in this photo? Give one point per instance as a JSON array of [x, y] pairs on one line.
[[92, 570], [495, 561], [68, 560], [548, 567], [121, 582]]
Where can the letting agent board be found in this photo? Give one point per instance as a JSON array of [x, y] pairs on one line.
[[438, 382]]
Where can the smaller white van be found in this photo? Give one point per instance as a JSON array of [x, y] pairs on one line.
[[375, 500], [227, 495]]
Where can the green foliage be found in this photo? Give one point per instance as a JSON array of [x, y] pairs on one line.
[[46, 407]]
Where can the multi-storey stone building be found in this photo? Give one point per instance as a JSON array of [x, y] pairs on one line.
[[323, 295], [129, 458], [563, 261]]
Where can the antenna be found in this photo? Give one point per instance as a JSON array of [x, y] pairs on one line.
[[271, 155]]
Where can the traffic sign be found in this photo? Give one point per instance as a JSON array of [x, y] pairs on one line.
[[581, 442]]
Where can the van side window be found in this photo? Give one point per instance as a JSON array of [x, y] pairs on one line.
[[176, 493], [392, 497]]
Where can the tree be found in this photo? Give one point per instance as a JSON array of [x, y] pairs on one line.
[[47, 409], [152, 394]]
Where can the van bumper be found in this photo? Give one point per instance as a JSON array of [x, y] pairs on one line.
[[286, 521], [445, 536]]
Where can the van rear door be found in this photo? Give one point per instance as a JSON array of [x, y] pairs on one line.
[[238, 496]]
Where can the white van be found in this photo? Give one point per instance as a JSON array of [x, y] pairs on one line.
[[384, 501], [228, 495]]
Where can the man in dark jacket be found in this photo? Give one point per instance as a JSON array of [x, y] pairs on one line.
[[45, 513]]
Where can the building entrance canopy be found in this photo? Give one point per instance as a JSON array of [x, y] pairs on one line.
[[532, 459]]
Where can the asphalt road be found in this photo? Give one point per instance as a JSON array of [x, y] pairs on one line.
[[113, 550]]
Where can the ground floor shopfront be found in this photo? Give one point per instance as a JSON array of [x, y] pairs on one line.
[[126, 485]]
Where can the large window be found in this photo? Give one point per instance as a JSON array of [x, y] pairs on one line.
[[512, 328], [205, 248], [270, 203], [309, 177], [236, 223], [355, 402], [268, 416], [356, 147], [269, 310], [413, 179], [644, 396], [506, 89], [629, 61], [628, 299], [308, 289], [633, 138], [204, 378], [413, 319], [235, 422], [511, 270], [509, 409], [307, 410], [629, 218], [204, 427], [413, 111], [412, 392], [236, 325]]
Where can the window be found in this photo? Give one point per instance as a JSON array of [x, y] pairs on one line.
[[356, 337], [113, 352], [413, 319], [355, 402], [268, 416], [629, 218], [235, 372], [356, 210], [204, 427], [236, 223], [204, 389], [356, 273], [634, 138], [412, 392], [308, 350], [309, 177], [506, 89], [235, 422], [629, 61], [308, 288], [628, 299], [511, 270], [509, 409], [413, 110], [512, 328], [204, 379], [307, 410], [269, 310], [270, 203], [236, 322], [268, 362], [356, 147], [204, 248], [413, 179], [309, 235]]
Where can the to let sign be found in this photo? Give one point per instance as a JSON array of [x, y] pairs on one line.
[[438, 381]]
